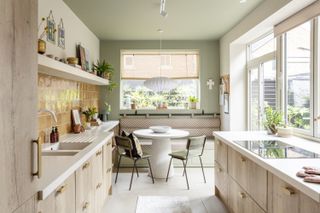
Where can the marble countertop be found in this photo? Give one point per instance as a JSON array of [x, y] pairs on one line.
[[285, 169], [56, 169]]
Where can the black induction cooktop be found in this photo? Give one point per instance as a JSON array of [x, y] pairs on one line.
[[273, 149]]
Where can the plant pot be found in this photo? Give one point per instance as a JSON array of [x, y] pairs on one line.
[[133, 106], [42, 46], [193, 105]]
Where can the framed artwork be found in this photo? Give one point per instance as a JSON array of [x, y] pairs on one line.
[[226, 103], [225, 80], [76, 117], [61, 35], [82, 56], [51, 28]]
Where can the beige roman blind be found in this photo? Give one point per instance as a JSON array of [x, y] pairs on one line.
[[297, 19], [176, 64]]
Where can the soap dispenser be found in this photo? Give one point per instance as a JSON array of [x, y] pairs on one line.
[[52, 136]]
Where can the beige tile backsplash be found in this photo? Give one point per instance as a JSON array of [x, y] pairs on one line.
[[61, 95]]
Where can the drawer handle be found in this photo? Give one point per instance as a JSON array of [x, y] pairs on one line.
[[99, 153], [108, 144], [108, 170], [99, 185], [243, 159], [219, 169], [288, 191], [242, 195], [85, 206], [86, 165], [61, 189]]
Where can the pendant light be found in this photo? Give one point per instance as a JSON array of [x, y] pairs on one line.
[[160, 83]]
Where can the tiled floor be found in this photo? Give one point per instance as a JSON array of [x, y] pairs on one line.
[[200, 194]]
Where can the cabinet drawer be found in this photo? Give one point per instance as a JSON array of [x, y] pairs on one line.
[[239, 201], [250, 176], [221, 153], [309, 205], [285, 198], [221, 182]]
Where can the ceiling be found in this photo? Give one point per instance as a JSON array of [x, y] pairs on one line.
[[140, 19]]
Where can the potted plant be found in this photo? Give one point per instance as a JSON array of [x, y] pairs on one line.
[[103, 69], [108, 110], [273, 119], [91, 113], [111, 85], [193, 102]]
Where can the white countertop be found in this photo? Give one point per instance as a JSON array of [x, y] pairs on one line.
[[285, 169], [56, 169]]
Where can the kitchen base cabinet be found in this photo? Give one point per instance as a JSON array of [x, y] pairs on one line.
[[84, 190], [107, 161], [221, 182], [98, 184], [239, 201], [221, 153], [62, 200]]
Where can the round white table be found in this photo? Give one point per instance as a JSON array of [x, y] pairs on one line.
[[161, 147]]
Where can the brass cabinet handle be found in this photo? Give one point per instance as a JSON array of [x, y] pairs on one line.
[[243, 159], [99, 185], [86, 165], [99, 153], [38, 173], [85, 206], [288, 191], [218, 142], [62, 189], [108, 170], [242, 195], [109, 143], [220, 170], [317, 118]]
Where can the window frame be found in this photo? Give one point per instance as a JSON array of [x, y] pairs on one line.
[[165, 52], [313, 99]]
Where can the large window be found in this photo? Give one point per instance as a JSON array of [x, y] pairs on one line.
[[261, 79], [298, 77], [138, 66]]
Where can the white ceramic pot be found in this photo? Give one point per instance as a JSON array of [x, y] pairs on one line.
[[284, 132]]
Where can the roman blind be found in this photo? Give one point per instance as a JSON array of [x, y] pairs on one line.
[[297, 19], [176, 64]]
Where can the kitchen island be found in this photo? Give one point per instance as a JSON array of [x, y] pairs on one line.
[[248, 181]]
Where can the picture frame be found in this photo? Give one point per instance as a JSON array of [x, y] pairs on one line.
[[226, 103], [82, 56], [61, 35], [51, 28], [76, 117]]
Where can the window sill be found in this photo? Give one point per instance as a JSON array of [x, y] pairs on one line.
[[169, 112]]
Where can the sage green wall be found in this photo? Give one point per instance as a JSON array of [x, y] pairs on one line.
[[209, 68]]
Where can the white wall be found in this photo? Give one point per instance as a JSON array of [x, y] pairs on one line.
[[233, 53], [75, 30]]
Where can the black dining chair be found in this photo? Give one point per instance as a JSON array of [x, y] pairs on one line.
[[125, 146], [195, 148]]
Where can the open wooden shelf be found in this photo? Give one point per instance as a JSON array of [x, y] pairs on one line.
[[55, 68]]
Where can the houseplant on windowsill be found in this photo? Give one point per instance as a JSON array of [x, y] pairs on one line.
[[273, 119], [193, 102]]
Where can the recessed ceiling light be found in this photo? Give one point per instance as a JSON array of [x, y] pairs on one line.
[[243, 1]]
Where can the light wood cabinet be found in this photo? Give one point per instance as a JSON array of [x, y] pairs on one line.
[[98, 183], [84, 190], [308, 205], [221, 183], [107, 161], [239, 200], [62, 200], [285, 197], [221, 154], [18, 94], [250, 176]]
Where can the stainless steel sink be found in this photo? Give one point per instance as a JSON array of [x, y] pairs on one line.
[[64, 149]]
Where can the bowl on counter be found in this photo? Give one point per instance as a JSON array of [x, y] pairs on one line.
[[72, 60], [160, 129]]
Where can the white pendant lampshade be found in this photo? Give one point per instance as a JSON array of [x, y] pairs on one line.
[[160, 84]]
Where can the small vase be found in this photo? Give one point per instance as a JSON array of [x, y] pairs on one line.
[[41, 46], [193, 105]]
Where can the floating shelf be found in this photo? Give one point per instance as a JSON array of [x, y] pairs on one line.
[[55, 68]]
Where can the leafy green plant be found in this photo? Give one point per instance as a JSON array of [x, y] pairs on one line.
[[273, 118], [90, 112], [111, 85], [298, 117], [193, 99], [108, 107], [103, 69]]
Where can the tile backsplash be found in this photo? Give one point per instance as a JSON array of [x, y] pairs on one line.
[[61, 95]]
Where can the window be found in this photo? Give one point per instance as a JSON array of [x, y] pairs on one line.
[[182, 66], [298, 77], [261, 80]]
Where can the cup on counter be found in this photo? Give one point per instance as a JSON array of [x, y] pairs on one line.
[[77, 128]]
